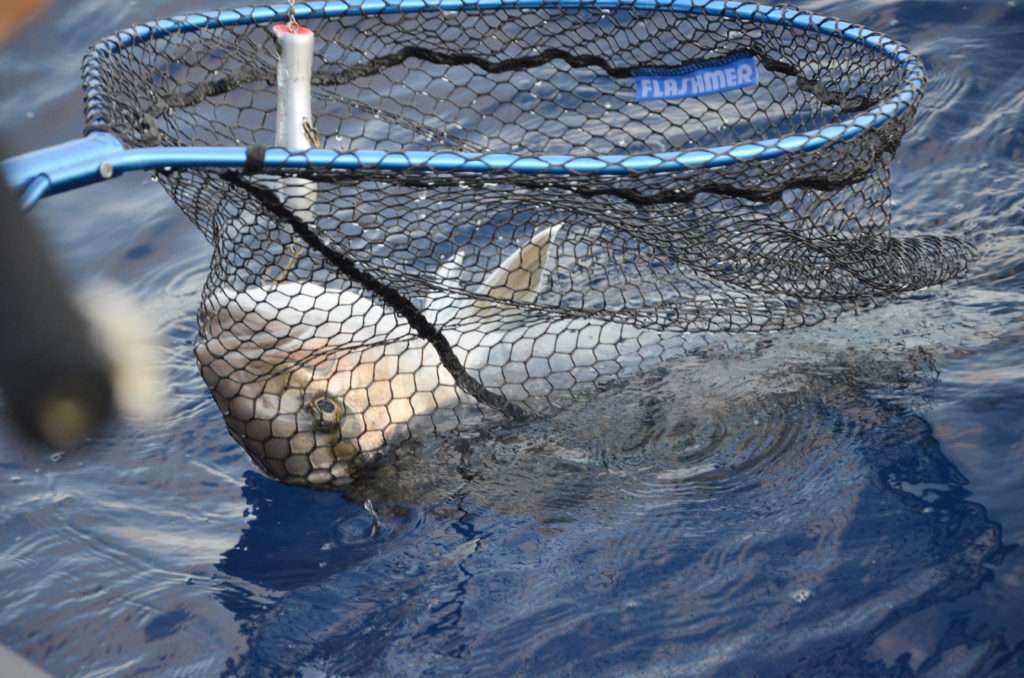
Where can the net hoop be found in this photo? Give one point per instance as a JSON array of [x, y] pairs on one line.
[[887, 112]]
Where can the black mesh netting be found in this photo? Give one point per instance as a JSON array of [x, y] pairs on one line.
[[344, 308]]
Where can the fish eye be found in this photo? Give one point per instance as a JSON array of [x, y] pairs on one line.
[[327, 411]]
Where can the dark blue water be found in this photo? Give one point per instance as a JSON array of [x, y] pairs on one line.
[[841, 501]]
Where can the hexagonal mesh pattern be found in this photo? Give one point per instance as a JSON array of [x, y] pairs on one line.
[[361, 305]]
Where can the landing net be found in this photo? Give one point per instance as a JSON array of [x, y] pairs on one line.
[[498, 204]]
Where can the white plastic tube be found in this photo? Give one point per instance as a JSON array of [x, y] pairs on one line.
[[294, 86], [295, 111]]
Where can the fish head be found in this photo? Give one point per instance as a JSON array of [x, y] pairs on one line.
[[305, 387], [285, 414]]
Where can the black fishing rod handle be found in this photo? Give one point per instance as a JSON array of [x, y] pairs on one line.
[[55, 380]]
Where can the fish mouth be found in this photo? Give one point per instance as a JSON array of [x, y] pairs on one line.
[[294, 449], [324, 466]]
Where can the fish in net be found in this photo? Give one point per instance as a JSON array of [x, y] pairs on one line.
[[426, 214]]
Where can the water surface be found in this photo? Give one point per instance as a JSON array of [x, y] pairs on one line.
[[839, 501]]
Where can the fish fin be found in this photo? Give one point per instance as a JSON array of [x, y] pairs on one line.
[[521, 275], [448, 274]]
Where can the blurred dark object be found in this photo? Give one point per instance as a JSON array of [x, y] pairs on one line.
[[55, 381]]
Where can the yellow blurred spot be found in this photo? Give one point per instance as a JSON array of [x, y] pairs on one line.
[[64, 422]]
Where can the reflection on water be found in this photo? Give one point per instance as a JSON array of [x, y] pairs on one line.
[[761, 508]]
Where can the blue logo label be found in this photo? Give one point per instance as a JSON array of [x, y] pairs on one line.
[[695, 80]]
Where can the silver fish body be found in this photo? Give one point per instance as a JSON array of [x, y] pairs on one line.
[[313, 381]]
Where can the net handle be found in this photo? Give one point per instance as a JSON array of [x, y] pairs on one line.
[[101, 156], [48, 171]]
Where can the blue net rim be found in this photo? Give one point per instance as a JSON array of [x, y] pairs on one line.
[[904, 101]]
